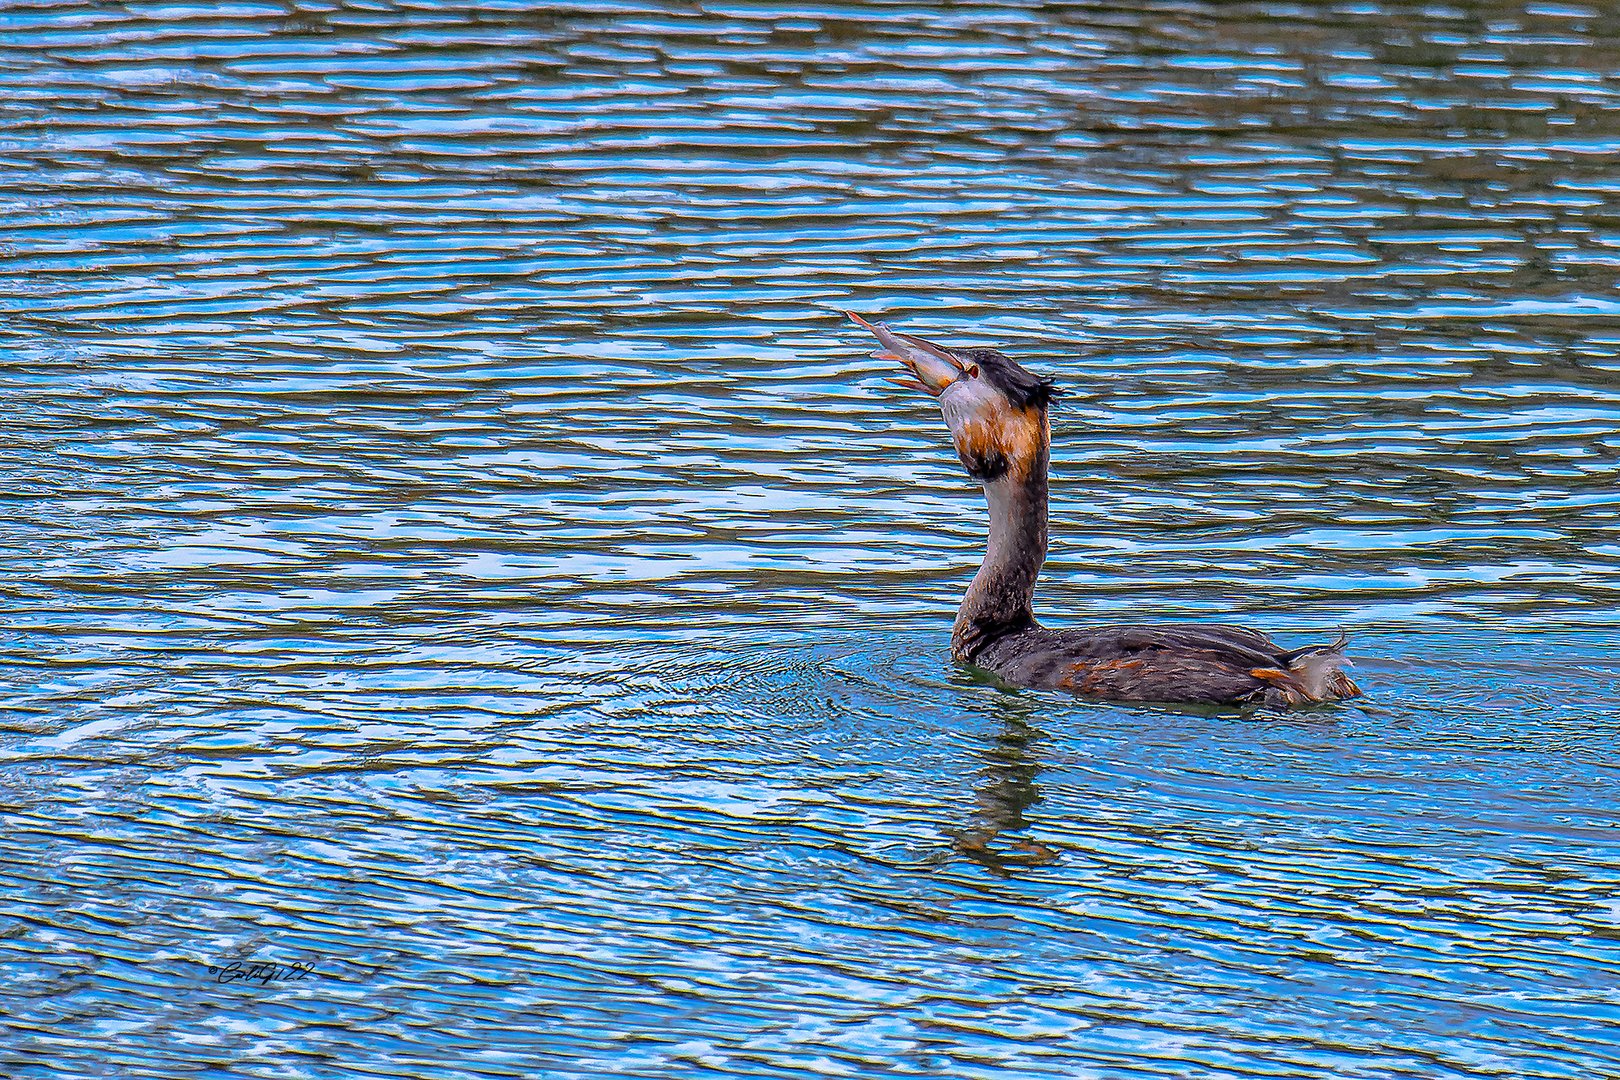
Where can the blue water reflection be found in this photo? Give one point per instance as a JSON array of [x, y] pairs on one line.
[[452, 540]]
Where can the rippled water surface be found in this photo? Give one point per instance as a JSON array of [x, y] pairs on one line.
[[451, 540]]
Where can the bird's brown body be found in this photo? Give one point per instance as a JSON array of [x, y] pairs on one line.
[[1182, 662], [997, 413]]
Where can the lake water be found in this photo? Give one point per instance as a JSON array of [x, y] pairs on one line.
[[452, 543]]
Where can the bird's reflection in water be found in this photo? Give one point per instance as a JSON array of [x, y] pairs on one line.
[[1005, 791]]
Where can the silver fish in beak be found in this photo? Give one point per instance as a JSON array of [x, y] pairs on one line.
[[933, 366]]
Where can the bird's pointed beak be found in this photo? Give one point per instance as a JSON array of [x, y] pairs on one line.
[[934, 366]]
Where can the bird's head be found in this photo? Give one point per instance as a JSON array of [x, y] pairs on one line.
[[995, 409]]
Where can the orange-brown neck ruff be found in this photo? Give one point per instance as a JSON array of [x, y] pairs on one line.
[[1008, 441]]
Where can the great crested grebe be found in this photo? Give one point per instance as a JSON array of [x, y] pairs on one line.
[[997, 413]]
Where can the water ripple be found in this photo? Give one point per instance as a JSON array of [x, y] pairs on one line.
[[452, 540]]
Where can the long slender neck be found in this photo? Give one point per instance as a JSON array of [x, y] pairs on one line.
[[999, 601]]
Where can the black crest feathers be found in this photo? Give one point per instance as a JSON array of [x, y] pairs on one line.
[[1023, 388]]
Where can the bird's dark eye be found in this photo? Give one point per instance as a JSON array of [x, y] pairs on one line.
[[972, 371]]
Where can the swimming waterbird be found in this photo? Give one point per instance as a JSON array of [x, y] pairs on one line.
[[997, 413]]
